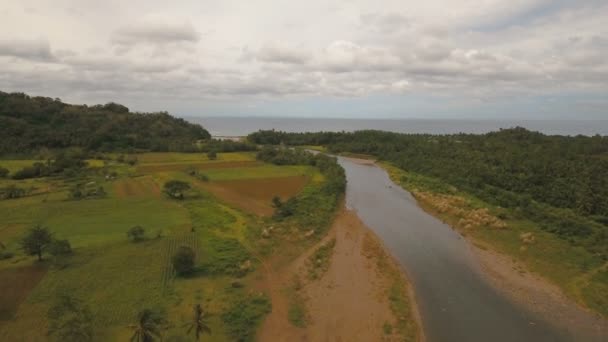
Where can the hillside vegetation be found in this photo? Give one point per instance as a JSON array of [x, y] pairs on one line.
[[28, 124]]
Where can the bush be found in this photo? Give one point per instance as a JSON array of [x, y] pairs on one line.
[[212, 155], [136, 233], [183, 261], [176, 188], [244, 315], [60, 248], [3, 172]]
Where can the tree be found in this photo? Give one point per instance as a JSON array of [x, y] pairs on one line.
[[149, 325], [3, 172], [199, 322], [183, 260], [136, 233], [11, 192], [70, 320], [176, 188], [60, 248], [212, 155], [36, 241]]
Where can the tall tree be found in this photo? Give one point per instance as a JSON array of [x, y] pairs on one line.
[[199, 322], [36, 241], [148, 327]]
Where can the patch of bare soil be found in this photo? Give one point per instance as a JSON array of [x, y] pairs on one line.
[[15, 285], [255, 195], [362, 161], [136, 187], [540, 296], [348, 302], [153, 168]]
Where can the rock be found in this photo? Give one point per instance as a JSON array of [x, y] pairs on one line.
[[245, 265], [309, 233], [265, 233]]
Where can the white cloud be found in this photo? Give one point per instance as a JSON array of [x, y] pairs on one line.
[[233, 50]]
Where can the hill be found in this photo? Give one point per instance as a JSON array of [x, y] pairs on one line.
[[28, 124]]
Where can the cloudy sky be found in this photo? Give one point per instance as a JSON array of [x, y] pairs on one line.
[[367, 58]]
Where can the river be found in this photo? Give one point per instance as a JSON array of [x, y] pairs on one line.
[[455, 302]]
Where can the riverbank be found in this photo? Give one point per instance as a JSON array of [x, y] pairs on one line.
[[344, 288], [521, 262]]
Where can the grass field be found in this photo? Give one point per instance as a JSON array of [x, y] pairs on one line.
[[116, 278]]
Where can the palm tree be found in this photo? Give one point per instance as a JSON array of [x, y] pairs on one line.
[[199, 322], [148, 326]]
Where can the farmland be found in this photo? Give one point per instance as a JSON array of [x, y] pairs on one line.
[[116, 278]]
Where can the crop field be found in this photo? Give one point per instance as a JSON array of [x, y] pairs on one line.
[[115, 277], [255, 195]]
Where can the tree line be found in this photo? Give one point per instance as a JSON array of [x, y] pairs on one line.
[[30, 123], [559, 182]]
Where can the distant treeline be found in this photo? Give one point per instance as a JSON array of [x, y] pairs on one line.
[[560, 182], [28, 124]]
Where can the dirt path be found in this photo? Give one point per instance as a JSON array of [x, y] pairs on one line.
[[540, 296], [348, 303]]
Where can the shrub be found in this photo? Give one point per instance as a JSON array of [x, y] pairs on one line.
[[244, 315], [136, 233], [60, 248], [176, 188], [3, 172], [183, 261]]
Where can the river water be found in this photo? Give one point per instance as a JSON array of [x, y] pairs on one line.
[[455, 302]]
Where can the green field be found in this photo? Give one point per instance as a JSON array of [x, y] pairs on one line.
[[116, 278]]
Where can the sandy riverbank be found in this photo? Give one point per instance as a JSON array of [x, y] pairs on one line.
[[350, 301]]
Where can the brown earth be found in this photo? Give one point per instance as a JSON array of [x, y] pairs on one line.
[[15, 285], [255, 195], [198, 166], [134, 187], [348, 303]]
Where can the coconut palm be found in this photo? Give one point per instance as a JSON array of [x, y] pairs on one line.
[[199, 322], [148, 326]]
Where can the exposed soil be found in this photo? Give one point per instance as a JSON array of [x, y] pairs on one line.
[[348, 303], [255, 195], [134, 187], [540, 296], [15, 285], [146, 168]]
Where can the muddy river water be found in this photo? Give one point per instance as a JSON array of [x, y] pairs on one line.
[[455, 302]]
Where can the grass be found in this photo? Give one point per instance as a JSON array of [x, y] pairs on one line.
[[320, 260], [577, 272], [117, 278]]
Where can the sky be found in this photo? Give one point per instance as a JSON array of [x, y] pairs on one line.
[[516, 59]]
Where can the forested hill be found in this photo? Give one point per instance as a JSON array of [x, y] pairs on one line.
[[558, 181], [30, 123]]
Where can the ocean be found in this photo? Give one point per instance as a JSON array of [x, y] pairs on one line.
[[241, 126]]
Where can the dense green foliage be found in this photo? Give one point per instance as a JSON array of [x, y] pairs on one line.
[[557, 181], [183, 260], [244, 315], [36, 241], [70, 320], [176, 188], [30, 123]]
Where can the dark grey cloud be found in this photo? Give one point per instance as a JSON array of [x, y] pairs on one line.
[[37, 50]]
